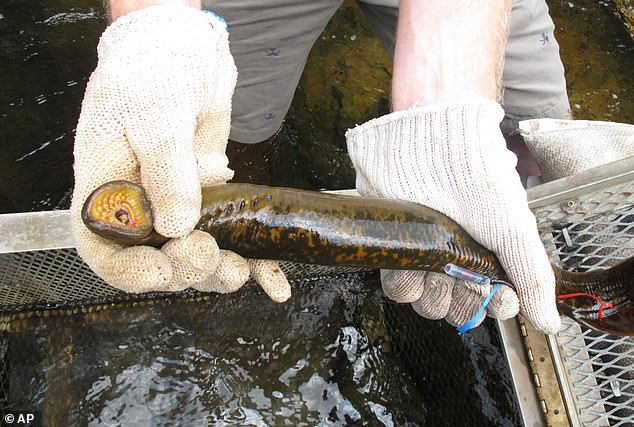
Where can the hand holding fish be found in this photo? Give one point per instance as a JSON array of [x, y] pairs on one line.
[[156, 112], [443, 148], [452, 157]]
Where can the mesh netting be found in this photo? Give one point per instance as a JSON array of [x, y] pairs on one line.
[[583, 233], [590, 231], [337, 353], [599, 368], [48, 278], [58, 278]]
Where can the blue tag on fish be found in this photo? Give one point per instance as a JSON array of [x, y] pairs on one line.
[[471, 323]]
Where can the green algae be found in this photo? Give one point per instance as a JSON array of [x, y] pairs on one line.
[[598, 56]]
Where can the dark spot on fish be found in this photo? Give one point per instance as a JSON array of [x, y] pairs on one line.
[[242, 203]]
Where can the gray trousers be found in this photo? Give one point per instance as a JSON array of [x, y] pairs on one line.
[[271, 39]]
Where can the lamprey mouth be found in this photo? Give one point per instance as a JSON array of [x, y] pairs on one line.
[[119, 211]]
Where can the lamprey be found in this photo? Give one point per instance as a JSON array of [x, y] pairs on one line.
[[317, 228]]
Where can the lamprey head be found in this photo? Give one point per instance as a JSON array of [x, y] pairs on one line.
[[119, 211]]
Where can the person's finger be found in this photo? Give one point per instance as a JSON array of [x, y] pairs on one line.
[[169, 171], [135, 269], [435, 299], [466, 301], [214, 123], [209, 147], [232, 272], [272, 279], [101, 150], [504, 304], [534, 282], [193, 258], [403, 286]]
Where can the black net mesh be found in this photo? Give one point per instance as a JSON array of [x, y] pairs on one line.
[[337, 353]]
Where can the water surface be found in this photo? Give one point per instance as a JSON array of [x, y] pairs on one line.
[[336, 354]]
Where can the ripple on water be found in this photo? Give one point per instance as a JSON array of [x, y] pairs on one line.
[[237, 359]]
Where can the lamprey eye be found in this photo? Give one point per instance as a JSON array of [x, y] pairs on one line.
[[118, 210]]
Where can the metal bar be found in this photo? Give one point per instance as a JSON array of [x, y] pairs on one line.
[[530, 407], [564, 380], [34, 231], [581, 183]]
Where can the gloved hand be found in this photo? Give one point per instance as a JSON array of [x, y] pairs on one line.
[[452, 157], [157, 112], [439, 296]]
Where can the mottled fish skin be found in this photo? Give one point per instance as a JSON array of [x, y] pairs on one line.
[[318, 228], [614, 285]]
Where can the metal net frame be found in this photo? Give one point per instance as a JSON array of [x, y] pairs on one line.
[[586, 222], [584, 232]]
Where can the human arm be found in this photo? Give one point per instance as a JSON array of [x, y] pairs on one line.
[[118, 8], [448, 51], [442, 147]]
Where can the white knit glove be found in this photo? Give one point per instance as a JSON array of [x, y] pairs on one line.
[[157, 112], [452, 157]]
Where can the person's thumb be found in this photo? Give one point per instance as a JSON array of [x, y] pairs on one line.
[[534, 282], [169, 174]]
